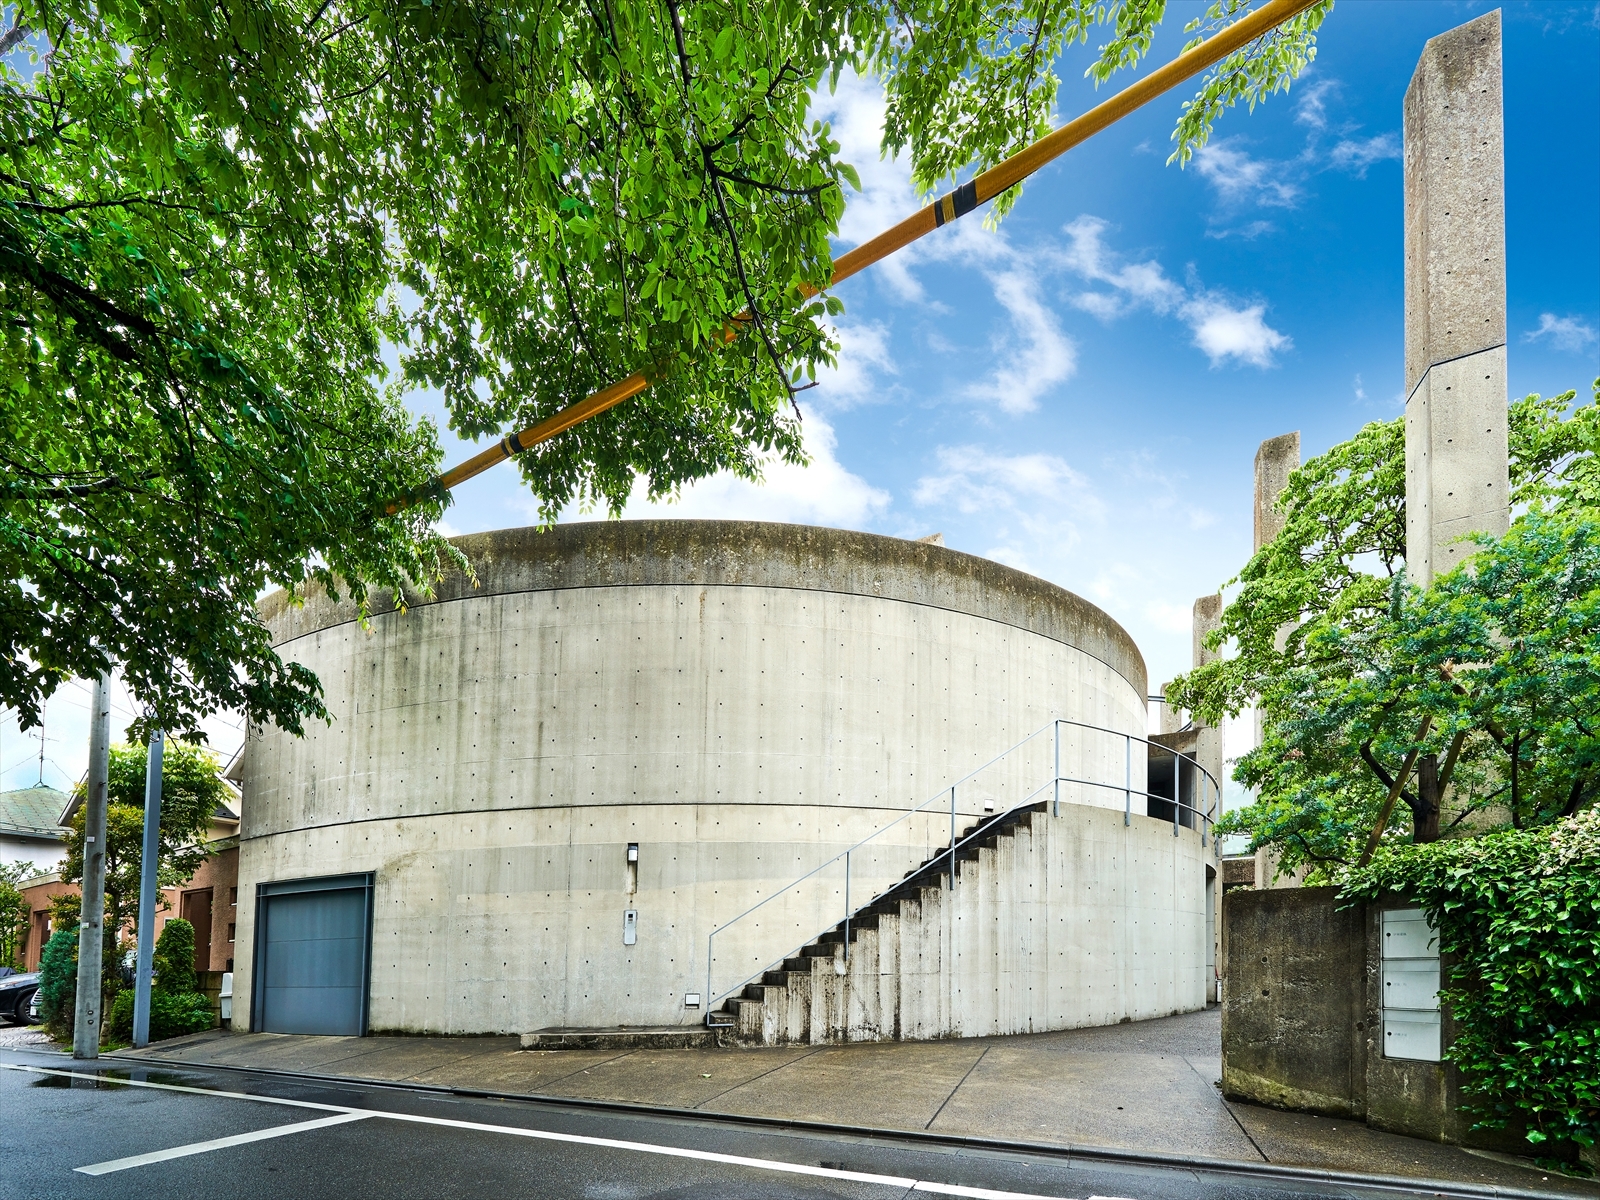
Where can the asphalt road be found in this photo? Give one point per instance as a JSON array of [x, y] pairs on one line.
[[74, 1130]]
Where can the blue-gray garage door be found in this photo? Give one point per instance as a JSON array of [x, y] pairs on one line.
[[313, 939]]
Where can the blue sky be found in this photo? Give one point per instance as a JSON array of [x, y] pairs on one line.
[[1081, 393]]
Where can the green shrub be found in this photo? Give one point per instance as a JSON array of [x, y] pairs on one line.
[[58, 981], [171, 1015], [1519, 911], [174, 958]]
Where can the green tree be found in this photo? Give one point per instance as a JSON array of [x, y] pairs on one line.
[[1485, 684], [14, 912], [212, 217], [191, 791], [58, 981], [174, 957]]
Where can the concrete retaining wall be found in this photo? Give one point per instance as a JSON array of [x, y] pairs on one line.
[[740, 701], [1302, 1020]]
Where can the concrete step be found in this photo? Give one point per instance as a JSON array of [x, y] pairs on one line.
[[661, 1037]]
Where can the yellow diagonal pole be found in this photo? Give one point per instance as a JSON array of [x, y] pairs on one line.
[[947, 208]]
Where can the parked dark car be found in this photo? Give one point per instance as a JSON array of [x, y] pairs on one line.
[[16, 994]]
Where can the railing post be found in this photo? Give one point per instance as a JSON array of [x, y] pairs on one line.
[[1177, 790], [1127, 779], [952, 837], [1055, 809], [847, 906]]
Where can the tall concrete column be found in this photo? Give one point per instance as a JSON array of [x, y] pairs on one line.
[[1207, 616], [1455, 269], [1276, 459]]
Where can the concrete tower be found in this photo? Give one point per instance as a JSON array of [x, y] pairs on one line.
[[1456, 451]]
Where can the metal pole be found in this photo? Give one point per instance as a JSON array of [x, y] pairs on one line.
[[1177, 791], [1127, 779], [847, 906], [147, 891], [952, 837], [1055, 810], [92, 914]]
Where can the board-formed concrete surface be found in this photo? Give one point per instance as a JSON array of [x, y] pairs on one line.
[[737, 702], [1145, 1087]]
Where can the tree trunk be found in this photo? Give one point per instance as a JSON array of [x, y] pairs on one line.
[[1425, 813]]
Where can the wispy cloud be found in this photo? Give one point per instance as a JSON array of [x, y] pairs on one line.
[[1563, 333], [821, 493], [1357, 154], [858, 376], [1031, 353], [1222, 329], [1312, 106], [1240, 178], [1030, 501]]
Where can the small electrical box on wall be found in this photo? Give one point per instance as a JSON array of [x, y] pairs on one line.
[[630, 927], [631, 875]]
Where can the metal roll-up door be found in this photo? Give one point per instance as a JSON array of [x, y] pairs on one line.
[[313, 954]]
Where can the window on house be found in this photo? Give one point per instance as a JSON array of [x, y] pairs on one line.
[[233, 898], [231, 928]]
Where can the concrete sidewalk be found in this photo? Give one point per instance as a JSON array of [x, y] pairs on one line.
[[1149, 1087]]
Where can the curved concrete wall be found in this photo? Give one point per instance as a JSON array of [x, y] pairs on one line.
[[740, 700]]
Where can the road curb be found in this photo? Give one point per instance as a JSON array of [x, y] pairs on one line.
[[1257, 1172]]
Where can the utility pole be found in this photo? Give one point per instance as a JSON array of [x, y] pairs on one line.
[[92, 915], [148, 891]]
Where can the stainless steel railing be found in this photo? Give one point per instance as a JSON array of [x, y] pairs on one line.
[[1201, 817]]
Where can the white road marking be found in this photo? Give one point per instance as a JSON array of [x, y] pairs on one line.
[[351, 1114], [221, 1143]]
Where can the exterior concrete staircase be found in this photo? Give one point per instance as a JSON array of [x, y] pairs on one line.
[[897, 968]]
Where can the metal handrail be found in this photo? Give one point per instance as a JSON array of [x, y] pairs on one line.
[[1205, 819]]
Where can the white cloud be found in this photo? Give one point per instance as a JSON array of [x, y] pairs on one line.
[[978, 480], [1169, 617], [1224, 332], [1357, 154], [1239, 178], [1361, 392], [1564, 333], [864, 356], [823, 493], [1040, 494], [1249, 232], [1312, 108], [1141, 283], [1034, 356], [1220, 328], [854, 112]]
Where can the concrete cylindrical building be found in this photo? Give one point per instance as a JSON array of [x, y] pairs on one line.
[[554, 783]]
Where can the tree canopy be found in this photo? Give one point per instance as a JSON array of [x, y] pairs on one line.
[[213, 217], [1481, 692], [191, 791]]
